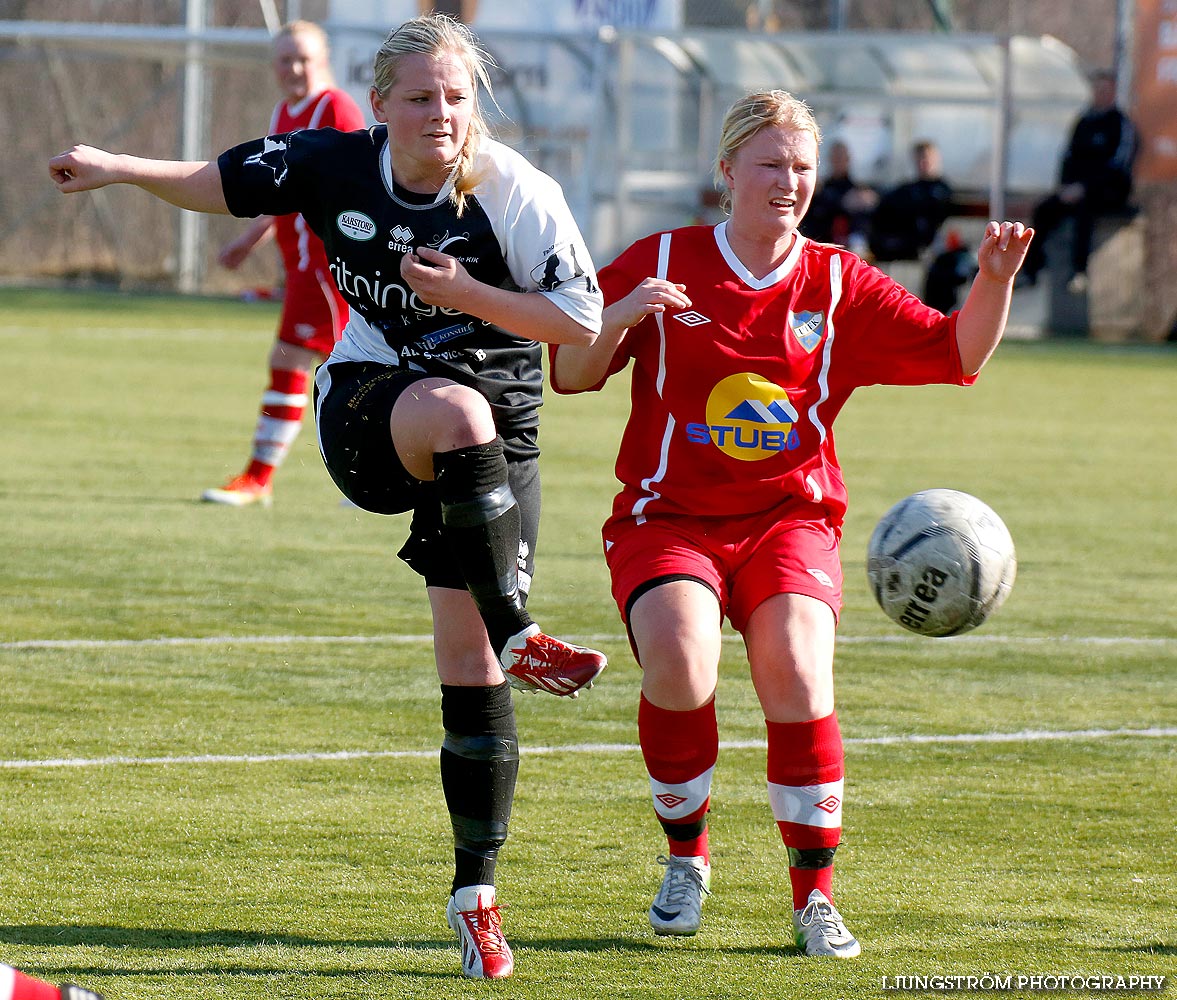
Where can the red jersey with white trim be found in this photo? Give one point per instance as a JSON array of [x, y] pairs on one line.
[[733, 400], [301, 249]]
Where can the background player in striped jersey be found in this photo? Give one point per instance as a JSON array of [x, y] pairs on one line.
[[458, 258], [746, 340], [313, 311]]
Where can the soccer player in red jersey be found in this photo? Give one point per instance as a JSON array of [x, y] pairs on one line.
[[746, 340], [313, 311]]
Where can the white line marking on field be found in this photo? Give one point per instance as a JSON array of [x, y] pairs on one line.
[[423, 638], [1024, 736]]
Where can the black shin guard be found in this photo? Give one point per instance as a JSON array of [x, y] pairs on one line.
[[811, 858], [479, 765], [481, 522]]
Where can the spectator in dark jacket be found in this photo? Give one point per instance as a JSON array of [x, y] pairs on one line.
[[1095, 179], [841, 208], [908, 217]]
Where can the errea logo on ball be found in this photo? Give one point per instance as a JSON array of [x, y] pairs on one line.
[[356, 225]]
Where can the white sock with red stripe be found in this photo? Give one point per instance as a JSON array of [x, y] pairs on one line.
[[15, 985], [680, 750], [280, 420], [805, 788]]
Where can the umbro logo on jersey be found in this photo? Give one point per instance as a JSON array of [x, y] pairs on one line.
[[829, 804], [822, 577], [670, 800], [357, 225], [691, 318]]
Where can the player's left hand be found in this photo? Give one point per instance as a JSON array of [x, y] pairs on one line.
[[437, 278], [1003, 249]]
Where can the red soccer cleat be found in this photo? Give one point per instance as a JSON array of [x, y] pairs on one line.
[[475, 918], [240, 492], [534, 662]]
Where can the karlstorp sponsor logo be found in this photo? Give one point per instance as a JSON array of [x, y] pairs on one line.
[[356, 225]]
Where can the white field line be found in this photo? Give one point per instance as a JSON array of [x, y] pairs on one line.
[[403, 640], [1024, 736]]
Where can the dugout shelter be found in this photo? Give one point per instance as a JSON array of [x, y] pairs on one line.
[[628, 120]]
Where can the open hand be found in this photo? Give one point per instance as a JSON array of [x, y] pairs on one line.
[[1003, 249]]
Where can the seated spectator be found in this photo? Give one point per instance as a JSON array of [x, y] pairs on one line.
[[1095, 179], [950, 270], [841, 208], [908, 217]]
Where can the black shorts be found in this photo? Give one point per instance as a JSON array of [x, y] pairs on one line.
[[353, 406]]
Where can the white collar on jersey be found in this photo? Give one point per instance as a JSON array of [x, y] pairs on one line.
[[294, 110], [386, 174], [746, 276]]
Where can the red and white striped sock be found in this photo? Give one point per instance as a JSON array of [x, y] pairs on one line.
[[15, 985], [805, 787], [278, 424], [680, 750]]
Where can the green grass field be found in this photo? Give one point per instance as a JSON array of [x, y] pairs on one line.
[[218, 769]]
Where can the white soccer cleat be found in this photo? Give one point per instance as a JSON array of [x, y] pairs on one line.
[[678, 907], [474, 917], [819, 929], [535, 662]]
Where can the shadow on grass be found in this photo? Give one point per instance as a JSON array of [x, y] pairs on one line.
[[165, 938]]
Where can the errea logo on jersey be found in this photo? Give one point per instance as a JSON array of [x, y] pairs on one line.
[[356, 225]]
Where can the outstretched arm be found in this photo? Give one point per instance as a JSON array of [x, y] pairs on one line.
[[981, 321], [194, 185]]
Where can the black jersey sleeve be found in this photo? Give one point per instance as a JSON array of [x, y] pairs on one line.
[[277, 174]]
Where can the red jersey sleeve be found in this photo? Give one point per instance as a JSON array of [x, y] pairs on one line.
[[890, 337], [617, 279]]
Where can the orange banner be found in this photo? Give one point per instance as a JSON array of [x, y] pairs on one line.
[[1155, 73]]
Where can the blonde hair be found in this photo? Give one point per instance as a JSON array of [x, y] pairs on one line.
[[432, 35], [747, 117]]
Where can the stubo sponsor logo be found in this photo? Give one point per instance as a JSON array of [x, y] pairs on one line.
[[356, 225], [748, 418]]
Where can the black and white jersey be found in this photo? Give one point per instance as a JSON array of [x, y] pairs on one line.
[[516, 232]]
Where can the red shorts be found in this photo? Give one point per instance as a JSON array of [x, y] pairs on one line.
[[791, 549], [313, 312]]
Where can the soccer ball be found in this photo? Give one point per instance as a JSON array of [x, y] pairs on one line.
[[940, 562]]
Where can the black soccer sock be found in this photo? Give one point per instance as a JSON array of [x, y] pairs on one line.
[[481, 521], [479, 765]]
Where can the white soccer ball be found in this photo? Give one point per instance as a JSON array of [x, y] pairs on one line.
[[940, 562]]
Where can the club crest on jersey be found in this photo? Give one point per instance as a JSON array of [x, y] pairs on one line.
[[559, 266], [357, 225], [807, 327], [748, 418], [273, 155]]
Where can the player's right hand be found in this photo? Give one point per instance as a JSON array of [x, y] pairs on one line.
[[651, 295], [82, 168]]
